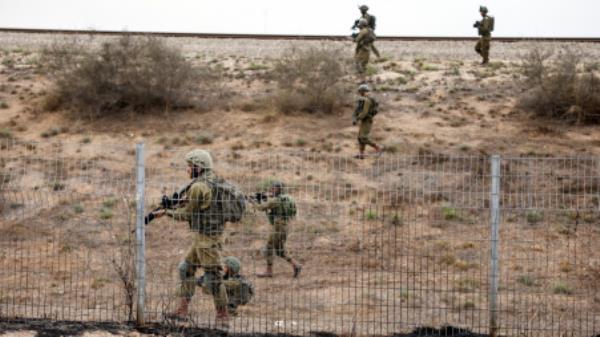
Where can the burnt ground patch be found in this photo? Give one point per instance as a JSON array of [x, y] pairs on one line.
[[49, 328]]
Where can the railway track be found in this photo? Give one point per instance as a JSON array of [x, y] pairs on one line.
[[294, 37]]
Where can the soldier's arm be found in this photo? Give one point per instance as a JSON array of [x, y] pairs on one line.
[[365, 109], [198, 199], [270, 204]]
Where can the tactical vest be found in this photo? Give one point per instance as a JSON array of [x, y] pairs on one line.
[[284, 211]]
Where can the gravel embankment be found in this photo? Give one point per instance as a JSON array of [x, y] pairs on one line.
[[274, 48]]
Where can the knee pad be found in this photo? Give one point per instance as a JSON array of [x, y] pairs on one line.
[[186, 270]]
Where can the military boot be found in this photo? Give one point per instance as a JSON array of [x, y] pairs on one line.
[[268, 272], [222, 319], [297, 268], [181, 312]]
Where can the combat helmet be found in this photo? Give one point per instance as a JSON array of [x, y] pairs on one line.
[[200, 158], [483, 9], [363, 8], [233, 264], [278, 185], [364, 88]]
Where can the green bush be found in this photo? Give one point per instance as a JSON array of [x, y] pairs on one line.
[[310, 80], [138, 74], [558, 88]]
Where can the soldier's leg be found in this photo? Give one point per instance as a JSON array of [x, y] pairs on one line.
[[478, 47], [485, 50], [208, 252], [187, 283], [233, 288], [281, 252], [268, 252]]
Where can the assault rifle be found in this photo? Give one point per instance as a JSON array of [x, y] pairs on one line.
[[168, 203], [477, 24], [258, 197]]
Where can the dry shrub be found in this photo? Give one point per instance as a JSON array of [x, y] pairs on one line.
[[559, 87], [310, 80], [137, 74]]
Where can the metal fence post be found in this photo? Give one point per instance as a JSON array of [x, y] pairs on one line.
[[494, 241], [140, 262]]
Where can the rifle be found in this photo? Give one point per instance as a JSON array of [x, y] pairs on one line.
[[258, 197], [477, 24], [168, 203]]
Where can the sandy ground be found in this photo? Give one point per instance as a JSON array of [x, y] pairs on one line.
[[365, 268]]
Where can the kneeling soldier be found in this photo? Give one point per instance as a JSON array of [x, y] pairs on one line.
[[239, 289]]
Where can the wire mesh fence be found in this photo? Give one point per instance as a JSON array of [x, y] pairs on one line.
[[387, 244]]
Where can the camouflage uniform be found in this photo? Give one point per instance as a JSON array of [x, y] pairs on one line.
[[364, 44], [364, 115], [278, 236], [205, 251], [485, 32], [277, 209], [239, 289]]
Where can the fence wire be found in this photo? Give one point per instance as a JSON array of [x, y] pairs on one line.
[[387, 244]]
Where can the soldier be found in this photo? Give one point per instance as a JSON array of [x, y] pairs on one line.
[[370, 21], [366, 108], [364, 42], [281, 208], [205, 252], [485, 28], [364, 15], [239, 289]]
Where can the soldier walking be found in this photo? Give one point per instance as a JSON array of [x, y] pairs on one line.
[[364, 44], [200, 211], [281, 209], [485, 27], [366, 108]]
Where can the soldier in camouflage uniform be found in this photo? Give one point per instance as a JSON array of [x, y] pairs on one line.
[[364, 42], [371, 23], [366, 109], [484, 28], [239, 289], [205, 251], [280, 209]]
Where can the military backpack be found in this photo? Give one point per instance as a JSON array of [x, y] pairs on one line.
[[374, 109], [246, 290], [228, 203]]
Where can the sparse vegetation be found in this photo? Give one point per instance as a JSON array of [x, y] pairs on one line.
[[204, 138], [562, 288], [6, 133], [3, 105], [557, 88], [527, 280], [534, 217], [129, 74], [310, 80]]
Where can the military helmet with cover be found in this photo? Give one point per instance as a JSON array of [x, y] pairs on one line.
[[278, 185], [200, 158], [483, 9], [362, 23], [363, 8], [233, 264], [364, 88]]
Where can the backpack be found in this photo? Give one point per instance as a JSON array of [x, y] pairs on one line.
[[287, 207], [491, 23], [228, 200], [246, 290], [374, 107]]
